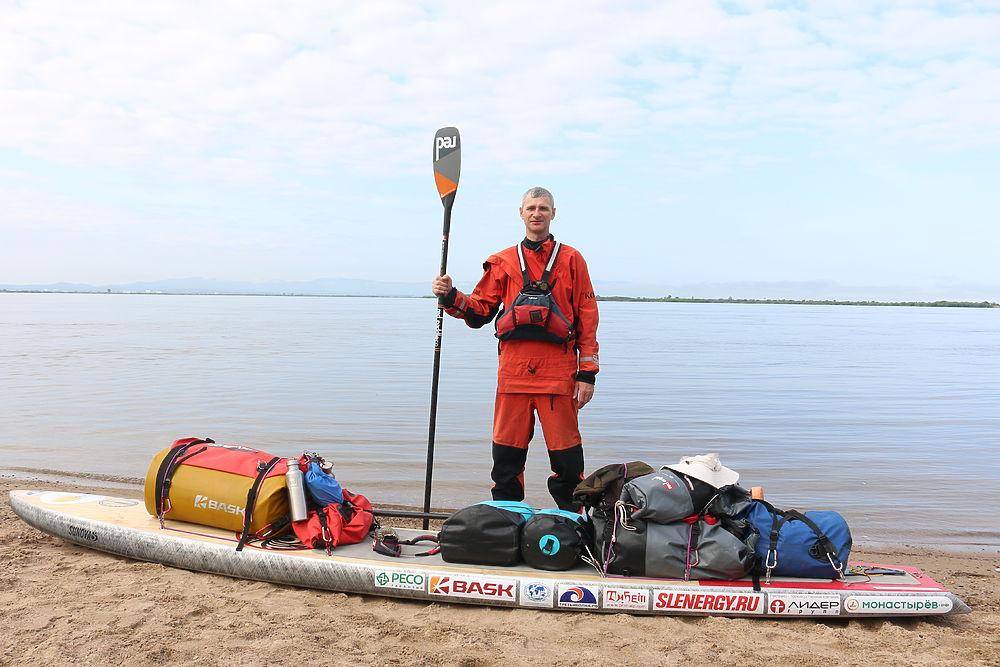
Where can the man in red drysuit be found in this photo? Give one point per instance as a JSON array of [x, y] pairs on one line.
[[552, 379]]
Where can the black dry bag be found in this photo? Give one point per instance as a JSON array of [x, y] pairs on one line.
[[487, 533], [555, 539]]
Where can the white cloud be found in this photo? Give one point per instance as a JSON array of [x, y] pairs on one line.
[[183, 86], [310, 99]]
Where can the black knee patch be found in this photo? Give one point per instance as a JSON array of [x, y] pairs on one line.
[[508, 466], [567, 472]]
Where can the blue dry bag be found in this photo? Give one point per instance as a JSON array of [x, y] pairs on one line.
[[813, 545], [323, 489]]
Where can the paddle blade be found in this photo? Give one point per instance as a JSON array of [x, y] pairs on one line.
[[447, 162]]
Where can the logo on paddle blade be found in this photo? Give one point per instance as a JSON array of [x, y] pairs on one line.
[[444, 142]]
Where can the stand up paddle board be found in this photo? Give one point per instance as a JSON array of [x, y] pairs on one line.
[[122, 526]]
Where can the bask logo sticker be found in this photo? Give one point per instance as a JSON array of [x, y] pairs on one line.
[[474, 587]]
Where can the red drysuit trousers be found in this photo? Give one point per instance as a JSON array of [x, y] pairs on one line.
[[513, 428]]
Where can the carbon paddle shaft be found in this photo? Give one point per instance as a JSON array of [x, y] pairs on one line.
[[447, 168]]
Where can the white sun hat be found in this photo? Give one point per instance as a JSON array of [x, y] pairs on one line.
[[707, 468]]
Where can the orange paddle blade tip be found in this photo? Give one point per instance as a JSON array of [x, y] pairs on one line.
[[445, 186]]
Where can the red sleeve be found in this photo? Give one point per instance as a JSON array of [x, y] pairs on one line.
[[585, 307], [480, 307]]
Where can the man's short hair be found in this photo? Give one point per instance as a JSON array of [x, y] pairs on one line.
[[539, 192]]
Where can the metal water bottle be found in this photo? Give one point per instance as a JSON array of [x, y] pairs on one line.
[[296, 490]]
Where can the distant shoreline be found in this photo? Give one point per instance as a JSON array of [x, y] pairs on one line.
[[807, 302], [629, 299]]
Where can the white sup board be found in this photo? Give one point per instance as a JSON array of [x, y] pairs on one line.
[[122, 526]]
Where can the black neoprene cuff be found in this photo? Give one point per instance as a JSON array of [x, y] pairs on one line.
[[589, 377], [449, 299]]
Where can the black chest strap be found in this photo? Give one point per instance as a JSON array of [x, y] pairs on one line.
[[165, 473], [262, 470]]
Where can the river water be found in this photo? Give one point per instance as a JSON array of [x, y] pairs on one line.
[[890, 415]]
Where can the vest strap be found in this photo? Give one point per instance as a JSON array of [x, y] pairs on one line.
[[526, 277]]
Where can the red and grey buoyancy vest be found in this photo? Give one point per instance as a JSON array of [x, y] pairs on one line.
[[534, 315]]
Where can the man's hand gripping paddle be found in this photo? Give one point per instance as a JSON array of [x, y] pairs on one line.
[[447, 168]]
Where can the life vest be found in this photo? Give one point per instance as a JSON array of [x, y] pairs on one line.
[[535, 315]]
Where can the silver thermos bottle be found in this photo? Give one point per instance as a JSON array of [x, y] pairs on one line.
[[296, 490]]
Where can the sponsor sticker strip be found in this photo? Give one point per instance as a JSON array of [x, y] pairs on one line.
[[538, 593]]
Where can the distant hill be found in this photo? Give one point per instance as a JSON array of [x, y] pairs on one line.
[[321, 286], [817, 290]]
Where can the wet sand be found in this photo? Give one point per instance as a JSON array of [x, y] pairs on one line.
[[62, 604]]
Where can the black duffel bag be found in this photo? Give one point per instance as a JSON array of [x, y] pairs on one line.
[[487, 533]]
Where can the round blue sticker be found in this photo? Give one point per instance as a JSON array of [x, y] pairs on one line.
[[549, 544]]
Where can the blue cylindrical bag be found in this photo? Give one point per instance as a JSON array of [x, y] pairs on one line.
[[790, 547]]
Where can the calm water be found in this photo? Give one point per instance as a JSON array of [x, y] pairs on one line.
[[889, 415]]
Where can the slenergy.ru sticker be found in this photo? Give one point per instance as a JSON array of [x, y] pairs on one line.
[[732, 603]]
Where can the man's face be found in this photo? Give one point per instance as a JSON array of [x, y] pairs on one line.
[[537, 213]]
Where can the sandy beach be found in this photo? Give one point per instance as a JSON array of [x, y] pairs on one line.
[[64, 604]]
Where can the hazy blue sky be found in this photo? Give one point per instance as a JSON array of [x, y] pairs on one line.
[[686, 141]]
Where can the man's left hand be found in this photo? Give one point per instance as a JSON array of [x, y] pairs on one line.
[[583, 393]]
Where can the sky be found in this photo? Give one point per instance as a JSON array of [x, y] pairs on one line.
[[687, 142]]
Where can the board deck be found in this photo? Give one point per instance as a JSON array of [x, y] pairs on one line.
[[122, 526]]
